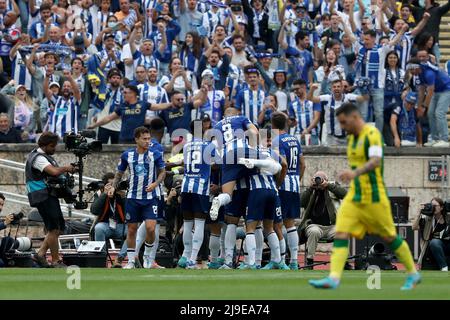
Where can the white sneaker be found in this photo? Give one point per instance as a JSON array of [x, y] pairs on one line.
[[246, 162], [191, 265], [130, 265], [429, 143], [444, 269], [441, 144], [214, 211], [406, 143], [147, 262]]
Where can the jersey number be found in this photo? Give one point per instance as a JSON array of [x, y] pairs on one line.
[[193, 160], [227, 132], [294, 158]]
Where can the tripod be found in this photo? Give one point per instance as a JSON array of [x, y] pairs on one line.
[[326, 262]]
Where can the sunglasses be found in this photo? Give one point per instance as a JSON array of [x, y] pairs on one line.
[[252, 70]]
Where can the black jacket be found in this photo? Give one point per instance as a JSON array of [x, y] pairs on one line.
[[101, 207]]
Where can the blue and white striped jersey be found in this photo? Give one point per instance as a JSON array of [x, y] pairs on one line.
[[262, 180], [21, 75], [64, 117], [290, 149], [250, 103], [303, 112], [230, 134], [198, 156], [143, 172]]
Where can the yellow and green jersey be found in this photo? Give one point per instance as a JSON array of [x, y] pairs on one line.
[[368, 187]]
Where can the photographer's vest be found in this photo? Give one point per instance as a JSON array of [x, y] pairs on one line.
[[35, 180]]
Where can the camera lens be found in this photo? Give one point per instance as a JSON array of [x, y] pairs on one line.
[[318, 181]]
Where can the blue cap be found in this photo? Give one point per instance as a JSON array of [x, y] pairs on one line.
[[411, 97], [280, 71]]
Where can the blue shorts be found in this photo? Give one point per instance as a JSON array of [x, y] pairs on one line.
[[238, 205], [195, 203], [161, 205], [140, 210], [263, 204], [290, 204]]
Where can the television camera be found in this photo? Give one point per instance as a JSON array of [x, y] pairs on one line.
[[62, 186]]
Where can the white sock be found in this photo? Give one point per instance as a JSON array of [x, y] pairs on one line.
[[269, 165], [230, 242], [197, 240], [274, 245], [187, 237], [251, 248], [292, 240], [148, 248], [259, 238], [155, 243], [283, 250], [222, 241], [214, 246], [131, 254], [224, 199], [141, 234]]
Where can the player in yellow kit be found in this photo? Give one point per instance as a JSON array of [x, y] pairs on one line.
[[366, 206]]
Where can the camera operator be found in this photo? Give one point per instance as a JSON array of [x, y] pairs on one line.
[[40, 165], [434, 224], [319, 217], [109, 209]]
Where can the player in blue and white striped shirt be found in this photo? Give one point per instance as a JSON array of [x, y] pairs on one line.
[[264, 204], [230, 134], [64, 117], [198, 157], [146, 174], [250, 100], [289, 191]]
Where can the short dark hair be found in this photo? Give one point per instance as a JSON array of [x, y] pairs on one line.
[[45, 6], [250, 69], [347, 109], [107, 176], [114, 72], [2, 196], [157, 125], [140, 131], [279, 120], [47, 138], [299, 82], [238, 36], [300, 36], [371, 33], [133, 88]]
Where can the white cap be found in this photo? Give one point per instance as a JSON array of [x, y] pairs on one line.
[[54, 84], [207, 72]]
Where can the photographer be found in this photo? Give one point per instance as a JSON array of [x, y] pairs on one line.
[[319, 217], [40, 166], [434, 222], [109, 209], [3, 225], [174, 218]]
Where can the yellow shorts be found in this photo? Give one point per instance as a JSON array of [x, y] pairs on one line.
[[358, 218]]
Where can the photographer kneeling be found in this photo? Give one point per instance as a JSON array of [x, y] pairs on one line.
[[109, 209], [434, 224], [319, 218], [39, 167]]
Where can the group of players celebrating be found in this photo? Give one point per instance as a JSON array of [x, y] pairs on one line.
[[259, 177]]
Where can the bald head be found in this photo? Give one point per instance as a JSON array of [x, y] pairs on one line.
[[230, 111]]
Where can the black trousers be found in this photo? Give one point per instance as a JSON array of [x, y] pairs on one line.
[[50, 211], [104, 135]]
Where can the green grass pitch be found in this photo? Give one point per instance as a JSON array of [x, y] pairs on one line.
[[173, 284]]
